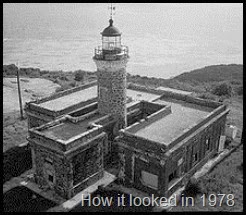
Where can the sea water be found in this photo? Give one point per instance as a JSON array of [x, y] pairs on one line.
[[164, 40]]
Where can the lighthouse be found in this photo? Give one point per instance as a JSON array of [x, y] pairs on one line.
[[111, 59]]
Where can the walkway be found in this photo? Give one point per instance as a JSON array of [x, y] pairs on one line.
[[74, 201]]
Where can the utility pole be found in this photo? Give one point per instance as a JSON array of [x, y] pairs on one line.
[[19, 93]]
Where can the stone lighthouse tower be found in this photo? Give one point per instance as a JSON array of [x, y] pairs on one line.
[[111, 59]]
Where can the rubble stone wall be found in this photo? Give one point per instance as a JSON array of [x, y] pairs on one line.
[[47, 163], [139, 156], [70, 171], [111, 77], [35, 113]]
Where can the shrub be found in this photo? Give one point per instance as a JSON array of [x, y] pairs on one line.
[[32, 72], [223, 89], [207, 96], [10, 69], [192, 188], [239, 90], [63, 87], [79, 75], [72, 84], [64, 78], [56, 81], [236, 82]]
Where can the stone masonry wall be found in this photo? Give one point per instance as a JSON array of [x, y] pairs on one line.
[[49, 163], [112, 89], [179, 158], [70, 172]]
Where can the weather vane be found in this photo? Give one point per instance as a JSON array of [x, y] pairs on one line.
[[111, 10]]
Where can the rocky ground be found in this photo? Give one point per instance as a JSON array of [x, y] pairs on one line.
[[15, 129], [31, 89]]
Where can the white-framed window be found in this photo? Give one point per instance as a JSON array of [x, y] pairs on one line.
[[180, 161], [208, 144], [195, 157], [150, 180], [172, 176]]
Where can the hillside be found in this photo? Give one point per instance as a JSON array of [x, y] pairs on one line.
[[205, 81], [213, 73]]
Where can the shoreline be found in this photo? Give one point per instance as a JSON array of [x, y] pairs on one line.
[[198, 76]]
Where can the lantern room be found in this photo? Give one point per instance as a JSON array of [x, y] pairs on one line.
[[111, 48], [111, 38]]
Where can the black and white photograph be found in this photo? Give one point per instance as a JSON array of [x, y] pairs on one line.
[[122, 107]]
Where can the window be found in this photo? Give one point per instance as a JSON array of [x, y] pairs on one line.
[[51, 178], [208, 144], [172, 176], [195, 157], [149, 180], [180, 161], [181, 167]]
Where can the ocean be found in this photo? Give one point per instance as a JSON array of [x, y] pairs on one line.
[[164, 40]]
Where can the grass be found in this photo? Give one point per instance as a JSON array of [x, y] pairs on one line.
[[14, 130], [225, 178], [16, 160], [22, 199]]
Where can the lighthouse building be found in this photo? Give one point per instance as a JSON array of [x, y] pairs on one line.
[[156, 139], [111, 59]]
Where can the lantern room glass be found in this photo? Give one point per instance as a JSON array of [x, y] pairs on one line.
[[111, 43]]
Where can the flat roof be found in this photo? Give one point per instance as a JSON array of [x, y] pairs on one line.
[[183, 115], [67, 129], [139, 95], [70, 99], [168, 89], [74, 98]]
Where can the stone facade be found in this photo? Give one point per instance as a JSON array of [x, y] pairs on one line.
[[70, 169], [70, 166], [112, 89], [169, 166], [37, 115]]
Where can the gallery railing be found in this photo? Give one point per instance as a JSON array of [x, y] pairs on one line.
[[113, 54]]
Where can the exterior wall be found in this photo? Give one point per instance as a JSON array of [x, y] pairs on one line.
[[69, 172], [88, 164], [196, 144], [47, 163], [38, 116], [133, 162], [137, 154], [112, 89], [35, 121], [173, 166]]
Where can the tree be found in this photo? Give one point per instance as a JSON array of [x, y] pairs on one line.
[[223, 89]]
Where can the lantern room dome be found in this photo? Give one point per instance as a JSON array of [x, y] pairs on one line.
[[111, 31]]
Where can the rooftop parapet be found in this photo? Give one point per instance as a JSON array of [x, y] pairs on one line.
[[47, 136], [178, 120]]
